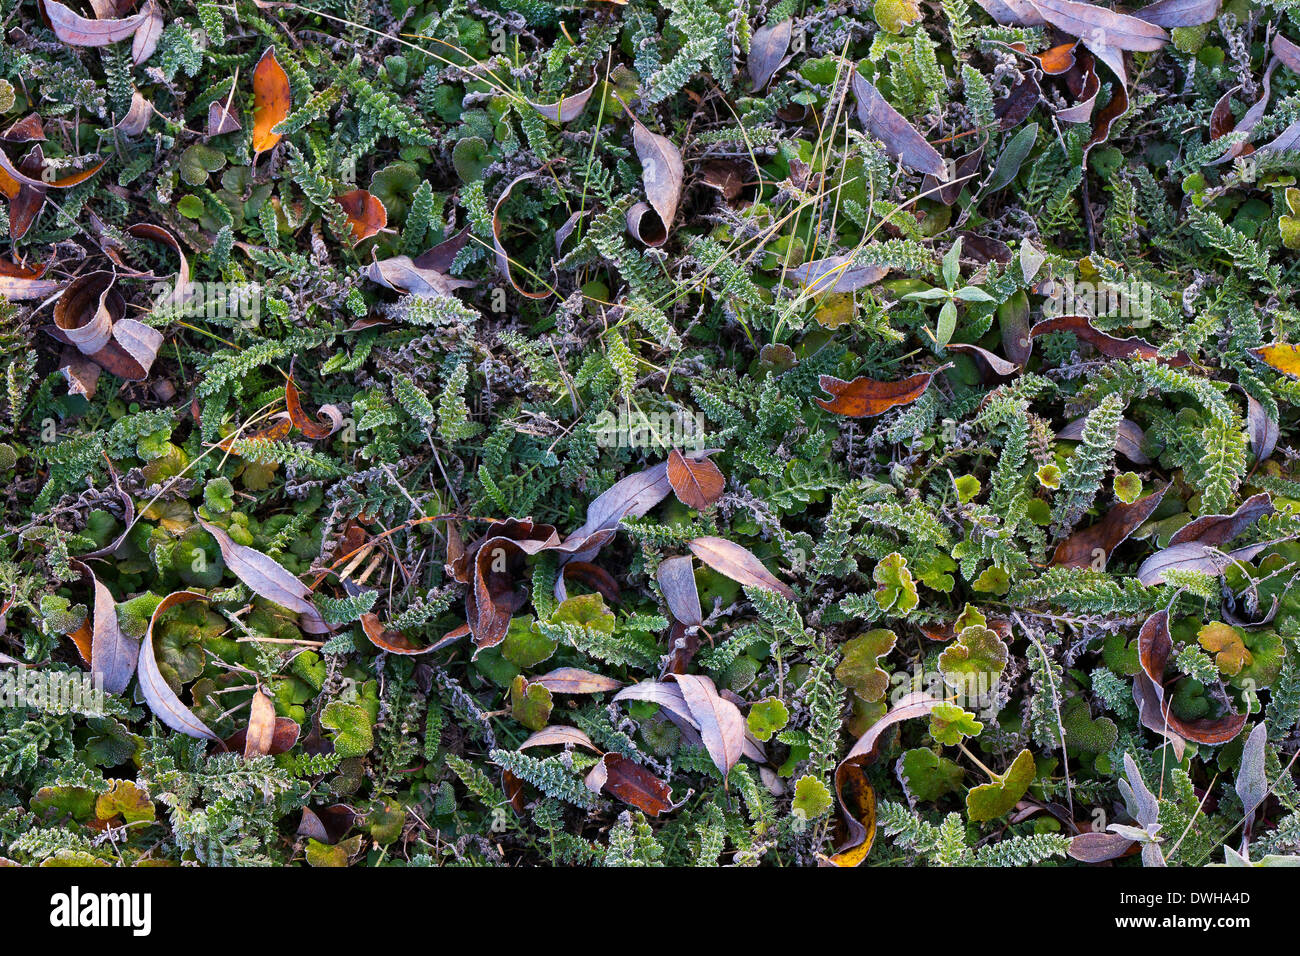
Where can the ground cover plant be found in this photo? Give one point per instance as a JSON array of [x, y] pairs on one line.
[[493, 432]]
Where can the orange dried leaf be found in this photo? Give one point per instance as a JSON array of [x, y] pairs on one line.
[[271, 100]]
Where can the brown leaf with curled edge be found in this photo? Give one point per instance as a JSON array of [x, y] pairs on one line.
[[645, 225], [268, 578], [328, 825], [1287, 52], [1216, 530], [88, 316], [75, 30], [272, 101], [1082, 548], [25, 130], [630, 497], [20, 283], [661, 170], [594, 577], [767, 49], [1107, 345], [993, 368], [1128, 438], [1154, 648], [836, 274], [1107, 117], [728, 176], [493, 565], [632, 783], [567, 107], [366, 214], [865, 397], [738, 563], [858, 821], [1179, 13], [698, 483], [901, 139], [328, 419], [1085, 85], [113, 655], [395, 642], [1096, 846], [560, 735], [137, 117], [720, 722], [575, 680], [146, 38], [157, 693], [850, 780], [503, 259], [964, 171], [1222, 122], [1059, 59], [261, 726], [1100, 28], [676, 577]]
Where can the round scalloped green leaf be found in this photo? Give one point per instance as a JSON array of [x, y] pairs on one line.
[[950, 723], [126, 800], [766, 717], [858, 670], [525, 645], [928, 775], [530, 704], [977, 651], [992, 800], [894, 585], [1083, 732], [353, 735], [812, 799], [1127, 487]]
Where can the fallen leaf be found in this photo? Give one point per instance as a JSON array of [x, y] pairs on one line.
[[266, 577], [575, 680], [261, 726], [902, 141], [767, 49], [1286, 51], [503, 259], [1216, 530], [328, 420], [366, 214], [992, 367], [1101, 29], [221, 119], [76, 30], [1194, 556], [157, 693], [661, 171], [738, 563], [720, 722], [865, 397], [395, 642], [1107, 345], [113, 655], [1128, 438], [1098, 846], [1179, 13], [697, 482], [632, 783], [566, 108], [837, 274], [676, 577], [271, 101], [1093, 546], [149, 33]]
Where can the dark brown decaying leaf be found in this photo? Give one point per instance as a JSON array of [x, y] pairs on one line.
[[901, 139], [1014, 108], [575, 680], [261, 726], [676, 577], [865, 397], [75, 30], [1262, 428], [849, 779], [157, 693], [221, 119], [1128, 439], [492, 565], [327, 421], [1107, 345], [697, 482], [766, 51], [720, 722], [992, 367], [738, 563], [632, 783], [644, 224], [25, 130], [1216, 530], [566, 108], [395, 642], [266, 577], [1154, 648], [1093, 546]]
